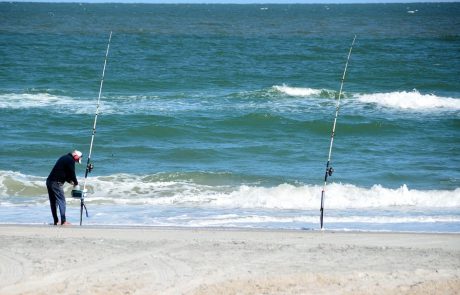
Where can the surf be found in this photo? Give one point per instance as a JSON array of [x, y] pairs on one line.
[[411, 101], [226, 190]]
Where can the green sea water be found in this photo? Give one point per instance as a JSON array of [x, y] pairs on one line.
[[227, 110]]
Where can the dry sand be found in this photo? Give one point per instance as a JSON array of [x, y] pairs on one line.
[[103, 260]]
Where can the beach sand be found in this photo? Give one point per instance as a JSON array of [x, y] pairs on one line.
[[145, 260]]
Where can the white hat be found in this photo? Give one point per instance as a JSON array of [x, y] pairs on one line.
[[77, 155]]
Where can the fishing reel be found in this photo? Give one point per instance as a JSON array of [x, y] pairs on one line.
[[329, 171], [89, 167]]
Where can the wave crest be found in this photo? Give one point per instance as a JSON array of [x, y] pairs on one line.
[[413, 100], [304, 92], [296, 91], [203, 191]]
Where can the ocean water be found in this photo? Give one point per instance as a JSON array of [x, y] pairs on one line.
[[221, 115]]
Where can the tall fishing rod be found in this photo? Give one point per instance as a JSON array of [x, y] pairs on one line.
[[89, 166], [329, 169]]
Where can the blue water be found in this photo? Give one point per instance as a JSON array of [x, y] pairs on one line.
[[221, 115]]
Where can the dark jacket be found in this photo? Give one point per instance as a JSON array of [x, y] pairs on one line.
[[64, 170]]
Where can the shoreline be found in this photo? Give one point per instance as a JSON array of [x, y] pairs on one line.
[[226, 228], [158, 260]]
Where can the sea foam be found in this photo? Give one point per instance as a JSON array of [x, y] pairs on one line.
[[399, 100], [296, 91], [413, 100], [59, 103], [128, 189], [35, 100]]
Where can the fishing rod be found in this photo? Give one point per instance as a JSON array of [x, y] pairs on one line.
[[329, 169], [81, 194]]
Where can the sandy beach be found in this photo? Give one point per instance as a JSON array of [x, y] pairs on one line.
[[124, 260]]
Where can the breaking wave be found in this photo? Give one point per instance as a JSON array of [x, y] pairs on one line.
[[212, 190], [399, 100], [304, 92], [413, 100], [297, 91]]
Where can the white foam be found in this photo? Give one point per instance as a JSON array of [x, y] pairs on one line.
[[128, 189], [38, 100], [119, 105], [403, 100], [284, 196], [296, 91], [413, 100], [17, 184], [57, 102], [338, 196], [241, 220]]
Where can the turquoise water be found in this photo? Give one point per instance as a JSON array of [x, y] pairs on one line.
[[221, 115]]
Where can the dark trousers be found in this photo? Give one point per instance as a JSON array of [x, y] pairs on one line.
[[57, 199]]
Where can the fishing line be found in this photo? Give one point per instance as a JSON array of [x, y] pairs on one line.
[[81, 194], [329, 169]]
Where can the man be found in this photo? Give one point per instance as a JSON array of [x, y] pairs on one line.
[[63, 171]]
